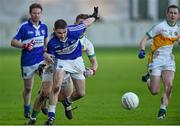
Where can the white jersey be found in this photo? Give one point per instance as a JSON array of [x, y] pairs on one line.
[[160, 56], [164, 37], [87, 46]]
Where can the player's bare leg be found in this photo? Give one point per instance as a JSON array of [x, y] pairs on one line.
[[79, 91], [28, 84], [65, 92], [167, 78], [154, 84], [53, 97], [44, 108], [39, 100], [64, 97]]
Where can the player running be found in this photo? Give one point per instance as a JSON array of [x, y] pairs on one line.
[[161, 63], [67, 49], [31, 37]]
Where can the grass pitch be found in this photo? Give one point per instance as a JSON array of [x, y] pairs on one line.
[[119, 71]]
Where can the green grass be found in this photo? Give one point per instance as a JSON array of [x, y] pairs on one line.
[[119, 71]]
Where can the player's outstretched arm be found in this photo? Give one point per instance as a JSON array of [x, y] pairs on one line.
[[92, 17]]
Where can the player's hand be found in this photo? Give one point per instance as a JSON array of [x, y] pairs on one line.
[[29, 46], [40, 69], [49, 59], [95, 13], [88, 72], [94, 70], [141, 54]]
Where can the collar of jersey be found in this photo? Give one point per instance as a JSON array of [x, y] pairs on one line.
[[29, 21], [170, 24]]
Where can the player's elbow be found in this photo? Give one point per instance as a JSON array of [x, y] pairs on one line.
[[13, 43], [88, 21]]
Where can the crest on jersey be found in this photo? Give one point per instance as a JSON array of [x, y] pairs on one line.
[[43, 32], [176, 33], [37, 33]]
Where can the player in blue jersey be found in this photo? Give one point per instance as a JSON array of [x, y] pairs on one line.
[[31, 37], [66, 47], [67, 85]]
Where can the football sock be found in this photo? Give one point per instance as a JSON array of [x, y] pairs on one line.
[[148, 82], [27, 108], [34, 114], [51, 111], [51, 115], [163, 107]]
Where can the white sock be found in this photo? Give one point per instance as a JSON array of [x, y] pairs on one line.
[[52, 108], [148, 81], [163, 107]]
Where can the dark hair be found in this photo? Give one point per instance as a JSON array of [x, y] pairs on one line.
[[82, 16], [172, 6], [35, 5], [60, 24]]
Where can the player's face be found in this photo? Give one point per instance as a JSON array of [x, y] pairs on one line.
[[36, 14], [61, 33], [172, 15]]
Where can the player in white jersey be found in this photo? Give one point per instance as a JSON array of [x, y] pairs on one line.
[[31, 37], [161, 64]]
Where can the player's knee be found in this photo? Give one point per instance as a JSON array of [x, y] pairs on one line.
[[154, 92], [45, 92], [56, 90], [81, 94]]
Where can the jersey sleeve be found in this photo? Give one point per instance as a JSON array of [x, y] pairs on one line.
[[77, 30], [50, 49], [87, 46], [155, 30], [19, 33], [46, 33]]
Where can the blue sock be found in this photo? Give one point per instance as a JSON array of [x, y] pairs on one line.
[[51, 115], [27, 108]]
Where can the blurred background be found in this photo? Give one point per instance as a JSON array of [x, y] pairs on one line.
[[123, 22]]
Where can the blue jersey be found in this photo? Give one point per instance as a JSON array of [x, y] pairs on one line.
[[28, 32], [71, 48]]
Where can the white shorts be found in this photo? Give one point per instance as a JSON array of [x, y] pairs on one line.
[[161, 63], [74, 67], [47, 76], [29, 71]]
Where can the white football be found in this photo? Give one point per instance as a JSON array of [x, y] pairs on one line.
[[130, 100]]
